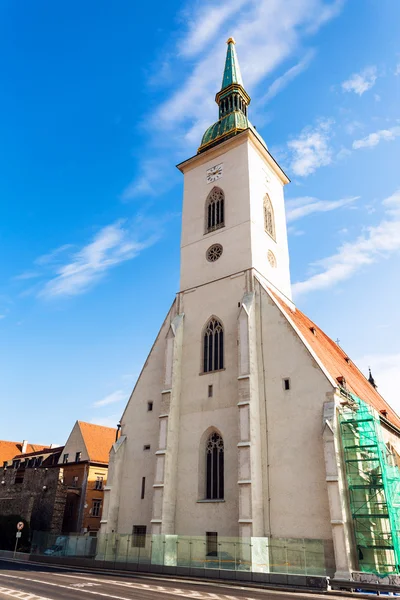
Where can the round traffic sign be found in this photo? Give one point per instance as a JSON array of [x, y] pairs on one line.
[[20, 526]]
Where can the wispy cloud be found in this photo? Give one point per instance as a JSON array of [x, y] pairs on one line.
[[281, 82], [190, 108], [116, 396], [373, 139], [297, 208], [311, 149], [53, 256], [359, 83], [110, 421], [205, 23], [111, 246], [63, 273], [28, 275], [397, 70], [376, 243], [156, 175]]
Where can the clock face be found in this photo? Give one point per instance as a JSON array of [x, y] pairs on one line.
[[214, 173]]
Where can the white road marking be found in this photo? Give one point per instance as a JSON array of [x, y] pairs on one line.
[[84, 584], [20, 595], [155, 588], [139, 586]]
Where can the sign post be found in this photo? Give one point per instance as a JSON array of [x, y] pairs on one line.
[[20, 527]]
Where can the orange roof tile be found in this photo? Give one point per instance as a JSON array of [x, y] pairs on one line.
[[98, 441], [334, 359], [9, 450]]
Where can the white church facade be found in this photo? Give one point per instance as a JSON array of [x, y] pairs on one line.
[[236, 428]]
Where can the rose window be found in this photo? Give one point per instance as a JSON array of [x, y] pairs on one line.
[[214, 252]]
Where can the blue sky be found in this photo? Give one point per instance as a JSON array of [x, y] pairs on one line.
[[98, 103]]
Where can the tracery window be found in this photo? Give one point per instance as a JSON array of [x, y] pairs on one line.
[[213, 346], [214, 252], [215, 210], [215, 467], [269, 221]]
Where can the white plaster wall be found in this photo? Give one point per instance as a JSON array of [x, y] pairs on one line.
[[142, 427], [264, 181], [75, 443], [244, 240], [200, 413], [234, 237], [297, 479]]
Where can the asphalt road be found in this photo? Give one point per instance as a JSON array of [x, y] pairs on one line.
[[37, 582]]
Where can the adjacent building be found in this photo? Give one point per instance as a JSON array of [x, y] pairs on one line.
[[248, 422], [31, 486], [57, 489], [84, 463]]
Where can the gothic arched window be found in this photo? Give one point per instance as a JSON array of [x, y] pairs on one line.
[[269, 221], [213, 346], [215, 467], [215, 210]]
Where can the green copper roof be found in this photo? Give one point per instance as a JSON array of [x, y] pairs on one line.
[[225, 127], [232, 70], [233, 102]]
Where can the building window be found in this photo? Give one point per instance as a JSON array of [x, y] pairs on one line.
[[65, 458], [286, 384], [99, 483], [213, 346], [214, 252], [210, 391], [78, 456], [271, 259], [269, 222], [15, 464], [75, 481], [19, 477], [215, 210], [143, 488], [211, 543], [139, 536], [215, 467], [96, 506], [146, 447], [149, 406]]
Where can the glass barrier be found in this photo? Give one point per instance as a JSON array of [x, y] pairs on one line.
[[263, 555]]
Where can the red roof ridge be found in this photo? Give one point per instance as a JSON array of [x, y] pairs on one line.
[[332, 357], [96, 425]]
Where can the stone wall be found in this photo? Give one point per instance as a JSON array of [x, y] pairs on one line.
[[39, 497]]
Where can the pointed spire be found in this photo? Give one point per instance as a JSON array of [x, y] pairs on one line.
[[232, 72], [371, 379], [232, 100]]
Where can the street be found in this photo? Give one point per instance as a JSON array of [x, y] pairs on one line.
[[37, 582]]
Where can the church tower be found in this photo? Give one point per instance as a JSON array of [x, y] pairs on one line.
[[230, 440], [233, 209]]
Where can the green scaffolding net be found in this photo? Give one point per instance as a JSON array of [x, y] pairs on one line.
[[373, 479]]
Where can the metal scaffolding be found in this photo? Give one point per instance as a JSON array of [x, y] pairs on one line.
[[373, 479]]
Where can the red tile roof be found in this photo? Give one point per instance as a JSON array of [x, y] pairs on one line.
[[98, 441], [334, 360], [10, 449]]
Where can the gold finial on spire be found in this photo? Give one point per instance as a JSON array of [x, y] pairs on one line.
[[231, 41]]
